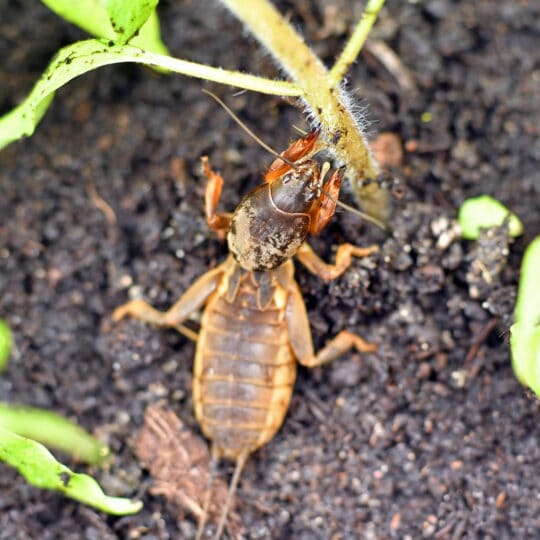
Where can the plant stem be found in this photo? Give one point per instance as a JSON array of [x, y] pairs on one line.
[[356, 41], [219, 75], [328, 104], [83, 56]]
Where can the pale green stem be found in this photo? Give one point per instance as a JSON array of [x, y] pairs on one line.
[[328, 104], [232, 78], [6, 343], [83, 56], [356, 41]]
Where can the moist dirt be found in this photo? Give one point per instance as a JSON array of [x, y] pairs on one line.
[[432, 436]]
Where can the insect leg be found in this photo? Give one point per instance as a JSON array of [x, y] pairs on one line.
[[216, 221], [336, 347], [327, 203], [190, 302], [328, 272], [302, 343]]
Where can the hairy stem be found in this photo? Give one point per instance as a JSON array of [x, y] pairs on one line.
[[356, 41]]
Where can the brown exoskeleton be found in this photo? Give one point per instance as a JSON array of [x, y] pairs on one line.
[[255, 326]]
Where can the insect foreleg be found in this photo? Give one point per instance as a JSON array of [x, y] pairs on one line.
[[326, 271], [215, 220]]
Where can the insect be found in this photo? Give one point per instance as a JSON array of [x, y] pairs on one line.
[[255, 326]]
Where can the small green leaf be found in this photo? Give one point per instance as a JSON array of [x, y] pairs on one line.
[[127, 16], [53, 431], [6, 342], [525, 332], [41, 469], [93, 17], [484, 212], [90, 15], [528, 300], [149, 38], [525, 347]]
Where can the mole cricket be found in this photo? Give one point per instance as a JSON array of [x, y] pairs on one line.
[[255, 327]]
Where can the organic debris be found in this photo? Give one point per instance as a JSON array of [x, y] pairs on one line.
[[179, 463]]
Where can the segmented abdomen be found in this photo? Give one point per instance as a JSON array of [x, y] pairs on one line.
[[244, 372]]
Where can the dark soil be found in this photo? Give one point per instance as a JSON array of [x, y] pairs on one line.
[[423, 439]]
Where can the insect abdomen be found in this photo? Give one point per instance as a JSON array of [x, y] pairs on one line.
[[244, 372]]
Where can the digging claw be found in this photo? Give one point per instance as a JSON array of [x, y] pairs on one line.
[[126, 310]]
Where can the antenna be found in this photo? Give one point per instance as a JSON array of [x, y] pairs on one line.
[[359, 213], [247, 130], [268, 148]]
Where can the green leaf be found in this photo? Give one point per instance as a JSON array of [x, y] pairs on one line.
[[6, 342], [525, 347], [54, 431], [41, 469], [528, 300], [84, 56], [93, 17], [127, 16], [149, 37], [484, 212], [90, 15], [525, 332]]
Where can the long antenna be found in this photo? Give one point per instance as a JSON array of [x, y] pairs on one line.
[[247, 130], [359, 213]]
